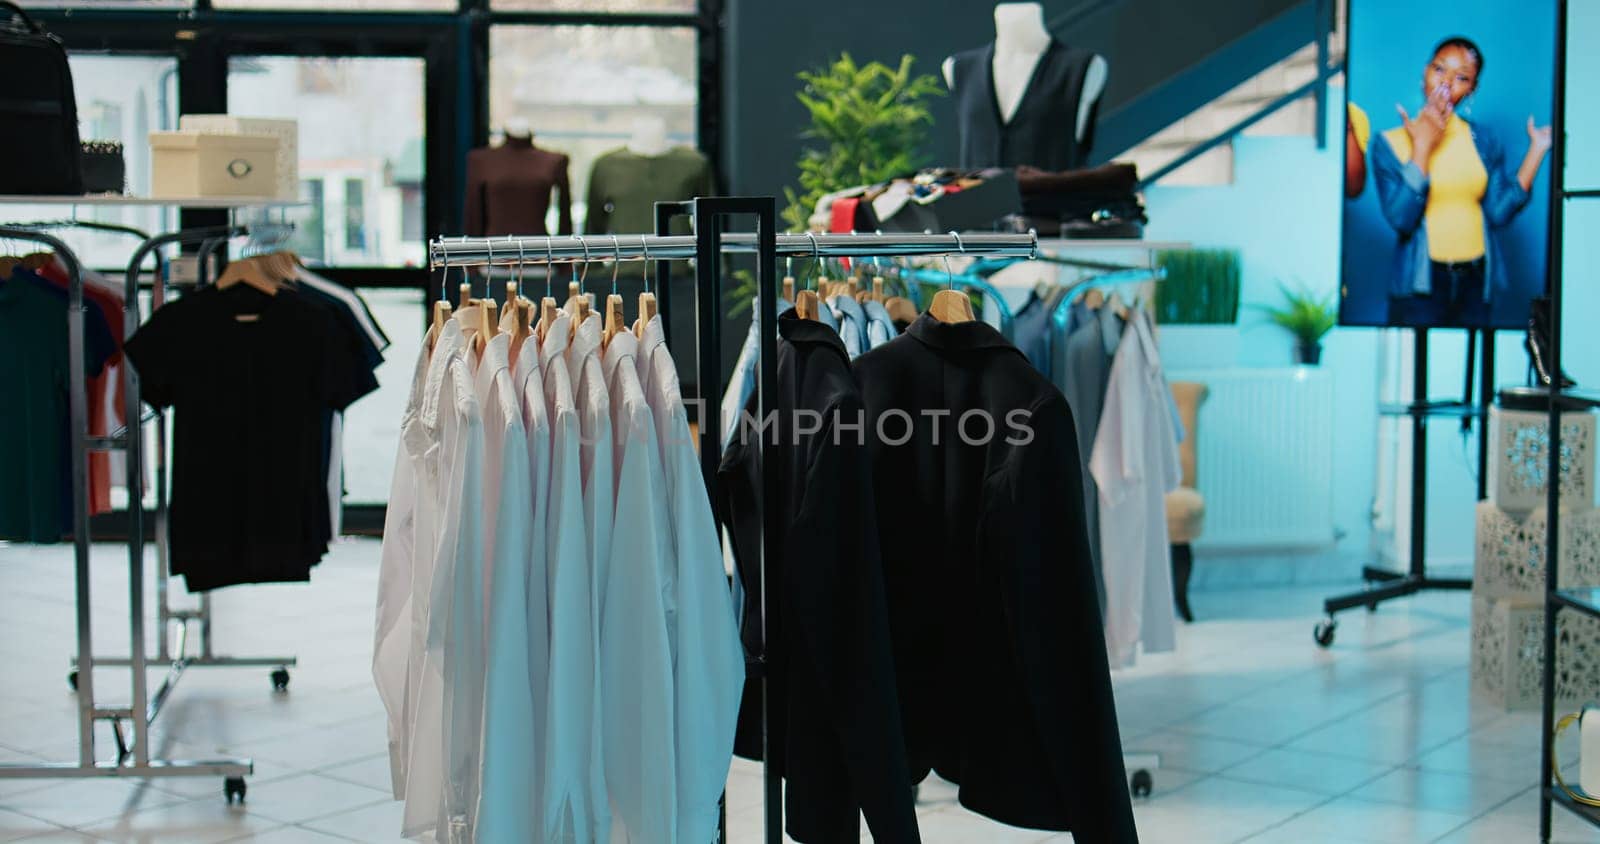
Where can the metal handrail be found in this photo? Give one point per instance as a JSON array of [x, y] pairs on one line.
[[1234, 131]]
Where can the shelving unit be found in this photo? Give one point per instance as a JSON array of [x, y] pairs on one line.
[[133, 757], [1585, 600]]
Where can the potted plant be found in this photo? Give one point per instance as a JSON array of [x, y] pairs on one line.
[[1197, 307], [1308, 317]]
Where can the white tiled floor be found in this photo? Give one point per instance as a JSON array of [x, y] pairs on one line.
[[1263, 736]]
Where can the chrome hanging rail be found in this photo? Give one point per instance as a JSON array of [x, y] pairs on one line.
[[513, 250]]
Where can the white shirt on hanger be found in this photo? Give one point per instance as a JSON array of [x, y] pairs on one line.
[[636, 691], [391, 650], [575, 803], [1135, 463], [511, 730], [707, 657]]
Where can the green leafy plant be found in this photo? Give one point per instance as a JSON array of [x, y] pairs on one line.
[[868, 122], [1305, 315], [1201, 287]]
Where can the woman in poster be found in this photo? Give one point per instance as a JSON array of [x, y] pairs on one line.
[[1446, 188]]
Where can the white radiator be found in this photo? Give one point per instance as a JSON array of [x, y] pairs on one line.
[[1265, 458]]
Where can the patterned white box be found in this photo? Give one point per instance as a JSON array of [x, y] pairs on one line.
[[1510, 558], [1519, 458], [1508, 654]]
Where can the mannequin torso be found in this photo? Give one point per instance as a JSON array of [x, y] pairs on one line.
[[1020, 41]]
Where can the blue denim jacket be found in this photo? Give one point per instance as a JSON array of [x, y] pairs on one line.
[[1403, 195]]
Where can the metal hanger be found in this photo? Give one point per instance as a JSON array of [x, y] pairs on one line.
[[950, 306], [647, 300], [805, 302], [615, 320]]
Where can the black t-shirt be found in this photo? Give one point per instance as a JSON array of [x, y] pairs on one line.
[[250, 377]]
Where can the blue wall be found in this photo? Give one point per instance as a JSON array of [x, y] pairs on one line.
[[1292, 235], [1390, 44]]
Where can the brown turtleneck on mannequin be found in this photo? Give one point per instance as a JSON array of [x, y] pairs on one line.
[[509, 189]]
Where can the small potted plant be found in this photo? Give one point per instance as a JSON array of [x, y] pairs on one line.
[[1308, 317]]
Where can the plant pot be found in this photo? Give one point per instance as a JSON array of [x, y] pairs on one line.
[[1308, 354]]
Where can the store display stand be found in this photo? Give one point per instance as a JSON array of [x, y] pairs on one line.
[[1556, 599], [133, 758], [1415, 579]]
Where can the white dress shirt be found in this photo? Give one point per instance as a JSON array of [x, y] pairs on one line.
[[575, 804], [509, 742], [708, 660], [636, 693], [392, 641], [1135, 464]]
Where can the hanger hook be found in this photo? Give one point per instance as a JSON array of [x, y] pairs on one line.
[[488, 271], [616, 262], [585, 274], [522, 263], [959, 245], [817, 254], [645, 245], [444, 281], [549, 268]]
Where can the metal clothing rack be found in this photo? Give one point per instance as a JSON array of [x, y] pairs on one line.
[[133, 757], [709, 216], [1582, 601]]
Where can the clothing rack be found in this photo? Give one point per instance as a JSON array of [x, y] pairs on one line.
[[133, 758], [709, 215]]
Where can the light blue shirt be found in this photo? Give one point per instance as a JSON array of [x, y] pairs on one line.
[[852, 326], [638, 614], [880, 326], [708, 660], [742, 384]]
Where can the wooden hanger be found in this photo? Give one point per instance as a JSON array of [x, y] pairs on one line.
[[877, 289], [578, 304], [248, 271], [900, 309], [805, 304], [788, 288], [852, 286], [616, 322], [1094, 298], [951, 306], [7, 264], [1117, 306], [441, 315], [647, 312], [511, 312]]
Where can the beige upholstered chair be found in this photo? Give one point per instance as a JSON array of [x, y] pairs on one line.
[[1186, 508]]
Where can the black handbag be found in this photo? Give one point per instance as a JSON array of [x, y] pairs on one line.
[[39, 151]]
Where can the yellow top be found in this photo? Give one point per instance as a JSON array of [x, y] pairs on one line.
[[1457, 181], [1360, 125]]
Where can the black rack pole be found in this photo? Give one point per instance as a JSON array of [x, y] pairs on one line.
[[1552, 555], [1485, 401], [1419, 457]]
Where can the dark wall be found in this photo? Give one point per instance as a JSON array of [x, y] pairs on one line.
[[1147, 43]]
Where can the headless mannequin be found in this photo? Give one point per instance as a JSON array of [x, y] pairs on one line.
[[649, 137], [1020, 40]]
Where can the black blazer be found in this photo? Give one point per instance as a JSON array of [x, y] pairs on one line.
[[998, 639], [835, 727]]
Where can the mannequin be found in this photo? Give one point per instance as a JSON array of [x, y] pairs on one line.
[[510, 187], [649, 137], [1021, 42]]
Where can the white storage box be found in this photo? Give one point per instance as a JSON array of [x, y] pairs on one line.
[[286, 131], [189, 164], [1519, 458], [1509, 561], [1508, 653]]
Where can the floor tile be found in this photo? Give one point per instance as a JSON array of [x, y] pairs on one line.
[[300, 799], [1201, 754], [78, 802], [14, 826], [1365, 821], [1318, 773], [372, 772], [376, 823], [290, 835], [194, 822], [1460, 794]]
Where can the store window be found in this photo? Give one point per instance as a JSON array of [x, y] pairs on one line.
[[341, 5], [355, 216], [582, 88], [361, 147], [121, 99], [372, 425], [662, 6]]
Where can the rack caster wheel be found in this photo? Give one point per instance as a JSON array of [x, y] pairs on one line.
[[1324, 632], [72, 679], [280, 679], [1372, 607], [233, 787], [1141, 783]]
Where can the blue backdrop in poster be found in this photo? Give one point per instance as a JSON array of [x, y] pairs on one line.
[[1391, 42]]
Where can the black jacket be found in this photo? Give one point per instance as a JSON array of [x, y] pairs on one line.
[[998, 639], [835, 729]]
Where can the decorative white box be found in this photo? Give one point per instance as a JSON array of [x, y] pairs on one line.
[[189, 164], [1509, 562], [1519, 458], [286, 131], [1508, 651]]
